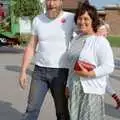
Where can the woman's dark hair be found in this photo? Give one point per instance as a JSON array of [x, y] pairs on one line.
[[92, 12]]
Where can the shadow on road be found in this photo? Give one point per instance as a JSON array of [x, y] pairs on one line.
[[16, 69], [111, 111], [7, 112]]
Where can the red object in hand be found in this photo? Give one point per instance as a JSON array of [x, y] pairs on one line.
[[86, 65]]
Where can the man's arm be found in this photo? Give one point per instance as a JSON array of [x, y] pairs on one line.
[[28, 54]]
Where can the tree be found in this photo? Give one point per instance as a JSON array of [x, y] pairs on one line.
[[29, 8]]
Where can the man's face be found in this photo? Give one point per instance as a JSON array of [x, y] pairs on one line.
[[54, 7]]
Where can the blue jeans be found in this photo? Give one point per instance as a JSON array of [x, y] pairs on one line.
[[44, 79]]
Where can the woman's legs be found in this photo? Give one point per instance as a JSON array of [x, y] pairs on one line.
[[84, 106]]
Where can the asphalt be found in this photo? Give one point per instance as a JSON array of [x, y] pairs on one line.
[[13, 99]]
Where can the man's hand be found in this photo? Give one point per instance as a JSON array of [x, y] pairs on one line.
[[23, 80]]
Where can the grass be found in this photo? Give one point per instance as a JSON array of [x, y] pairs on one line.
[[114, 41]]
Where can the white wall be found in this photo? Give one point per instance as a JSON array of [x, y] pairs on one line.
[[25, 25]]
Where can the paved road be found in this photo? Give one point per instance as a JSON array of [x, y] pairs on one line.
[[13, 99]]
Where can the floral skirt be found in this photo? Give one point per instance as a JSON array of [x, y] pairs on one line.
[[84, 106]]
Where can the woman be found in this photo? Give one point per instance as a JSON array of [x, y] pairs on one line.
[[103, 30], [87, 86]]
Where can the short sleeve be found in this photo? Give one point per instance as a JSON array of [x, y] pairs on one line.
[[34, 26]]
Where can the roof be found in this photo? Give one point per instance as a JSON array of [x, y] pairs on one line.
[[112, 7], [101, 12]]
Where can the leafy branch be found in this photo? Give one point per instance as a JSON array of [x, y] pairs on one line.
[[29, 8]]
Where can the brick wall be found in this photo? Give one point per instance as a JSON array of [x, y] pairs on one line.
[[113, 19]]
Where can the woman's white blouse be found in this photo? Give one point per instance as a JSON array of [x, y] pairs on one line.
[[95, 50]]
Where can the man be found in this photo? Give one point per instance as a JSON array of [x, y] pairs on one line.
[[2, 13], [51, 33]]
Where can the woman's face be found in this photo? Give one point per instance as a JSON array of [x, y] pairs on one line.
[[84, 23]]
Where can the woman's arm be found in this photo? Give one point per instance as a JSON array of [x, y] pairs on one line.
[[105, 58], [84, 72]]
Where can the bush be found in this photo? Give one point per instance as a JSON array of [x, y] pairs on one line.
[[24, 39], [29, 8]]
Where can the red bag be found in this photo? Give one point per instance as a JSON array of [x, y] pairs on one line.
[[86, 65]]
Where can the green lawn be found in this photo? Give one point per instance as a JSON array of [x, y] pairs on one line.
[[114, 41]]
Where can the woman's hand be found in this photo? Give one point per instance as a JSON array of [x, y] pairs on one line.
[[84, 72], [67, 92]]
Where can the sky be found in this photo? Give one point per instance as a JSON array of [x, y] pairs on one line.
[[102, 3]]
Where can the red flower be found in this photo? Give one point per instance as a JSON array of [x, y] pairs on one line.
[[63, 20]]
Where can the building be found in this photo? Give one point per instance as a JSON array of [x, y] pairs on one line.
[[111, 14], [113, 18]]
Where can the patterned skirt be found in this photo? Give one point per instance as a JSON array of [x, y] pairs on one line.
[[84, 106]]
